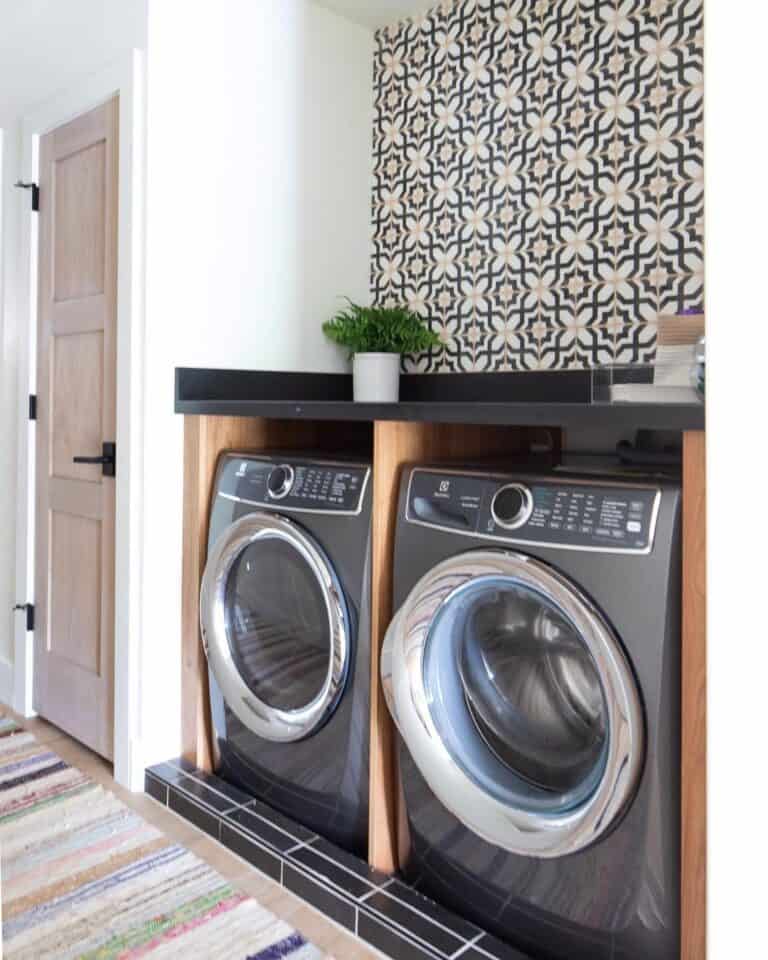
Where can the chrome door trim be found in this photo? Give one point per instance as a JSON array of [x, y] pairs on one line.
[[516, 541], [524, 832], [259, 717]]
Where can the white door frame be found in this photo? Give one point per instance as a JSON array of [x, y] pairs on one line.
[[126, 77]]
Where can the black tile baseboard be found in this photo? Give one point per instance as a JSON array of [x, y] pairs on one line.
[[314, 891], [156, 789], [255, 853], [257, 825], [332, 874], [418, 925], [489, 948], [194, 812], [381, 910], [392, 942]]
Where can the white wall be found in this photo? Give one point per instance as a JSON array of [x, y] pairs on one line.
[[46, 46], [258, 218], [737, 521], [11, 202]]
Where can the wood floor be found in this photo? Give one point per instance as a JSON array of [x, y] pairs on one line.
[[312, 924]]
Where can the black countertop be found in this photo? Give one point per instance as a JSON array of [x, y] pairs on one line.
[[552, 399]]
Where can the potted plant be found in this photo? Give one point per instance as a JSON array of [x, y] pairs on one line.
[[376, 338]]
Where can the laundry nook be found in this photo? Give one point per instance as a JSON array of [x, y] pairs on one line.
[[471, 701]]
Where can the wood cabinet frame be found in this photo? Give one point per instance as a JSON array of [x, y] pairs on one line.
[[395, 443], [693, 806]]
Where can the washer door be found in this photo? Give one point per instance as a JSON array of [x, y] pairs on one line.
[[275, 627], [516, 701]]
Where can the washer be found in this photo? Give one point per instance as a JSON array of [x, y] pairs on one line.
[[533, 671], [284, 613]]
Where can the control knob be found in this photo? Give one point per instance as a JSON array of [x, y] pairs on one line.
[[511, 506], [280, 481]]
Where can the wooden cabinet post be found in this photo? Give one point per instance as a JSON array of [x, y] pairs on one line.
[[694, 701]]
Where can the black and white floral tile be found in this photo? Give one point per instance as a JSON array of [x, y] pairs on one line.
[[379, 909], [538, 178]]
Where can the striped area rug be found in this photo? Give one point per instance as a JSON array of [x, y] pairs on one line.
[[83, 876]]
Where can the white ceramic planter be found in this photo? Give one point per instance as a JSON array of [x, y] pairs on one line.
[[376, 377]]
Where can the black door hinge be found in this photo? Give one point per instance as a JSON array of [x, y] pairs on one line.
[[30, 609], [32, 406], [22, 185]]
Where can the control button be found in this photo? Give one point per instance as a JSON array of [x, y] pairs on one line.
[[512, 506], [602, 532], [280, 481], [618, 534], [634, 527]]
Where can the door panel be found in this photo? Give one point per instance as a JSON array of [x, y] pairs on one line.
[[77, 305], [80, 202], [77, 392], [75, 596]]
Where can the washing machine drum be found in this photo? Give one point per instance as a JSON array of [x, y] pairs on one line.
[[275, 627], [516, 701]]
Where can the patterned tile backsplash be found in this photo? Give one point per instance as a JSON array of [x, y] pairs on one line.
[[539, 187]]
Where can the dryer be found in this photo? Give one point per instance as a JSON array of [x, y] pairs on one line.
[[533, 672], [284, 613]]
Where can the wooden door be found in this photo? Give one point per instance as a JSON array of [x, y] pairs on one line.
[[76, 357]]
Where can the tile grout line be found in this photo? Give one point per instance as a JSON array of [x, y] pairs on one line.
[[375, 890], [481, 950], [330, 885], [468, 945], [258, 842], [327, 887], [344, 867], [299, 846], [424, 916], [196, 779], [274, 826], [235, 806], [413, 939], [194, 801], [383, 886]]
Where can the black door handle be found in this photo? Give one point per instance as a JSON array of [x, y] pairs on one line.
[[107, 459]]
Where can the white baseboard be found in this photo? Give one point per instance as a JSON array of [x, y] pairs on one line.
[[129, 767], [6, 682]]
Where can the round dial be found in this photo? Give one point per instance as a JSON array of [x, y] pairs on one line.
[[512, 506], [280, 481]]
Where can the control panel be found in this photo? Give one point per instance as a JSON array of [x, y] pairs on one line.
[[547, 512], [295, 484]]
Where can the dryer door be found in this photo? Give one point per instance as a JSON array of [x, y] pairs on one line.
[[275, 626], [516, 701]]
